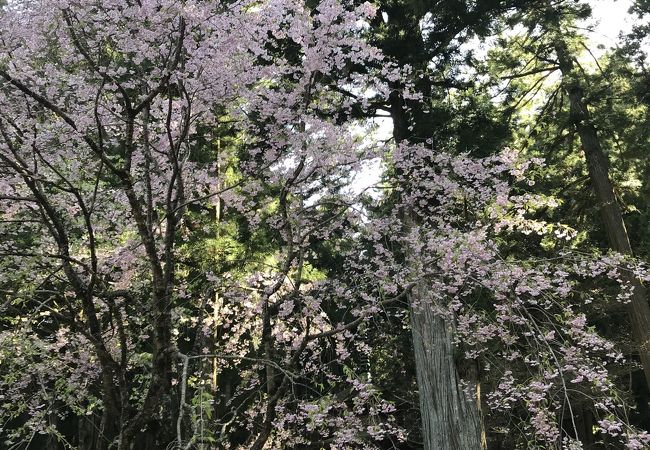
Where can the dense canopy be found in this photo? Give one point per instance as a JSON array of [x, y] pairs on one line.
[[281, 224]]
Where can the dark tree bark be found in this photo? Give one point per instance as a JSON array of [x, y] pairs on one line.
[[610, 211]]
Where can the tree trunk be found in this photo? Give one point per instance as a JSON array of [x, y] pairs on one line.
[[87, 436], [610, 211], [450, 407], [451, 420], [585, 422]]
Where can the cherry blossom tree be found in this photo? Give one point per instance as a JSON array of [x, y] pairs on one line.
[[110, 164], [107, 102]]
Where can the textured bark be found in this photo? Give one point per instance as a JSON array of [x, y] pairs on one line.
[[610, 211], [450, 421], [585, 423], [86, 433], [449, 406]]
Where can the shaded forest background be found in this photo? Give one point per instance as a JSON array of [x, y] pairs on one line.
[[535, 86]]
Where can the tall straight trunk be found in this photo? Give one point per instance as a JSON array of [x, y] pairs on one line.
[[612, 217], [87, 437], [449, 406]]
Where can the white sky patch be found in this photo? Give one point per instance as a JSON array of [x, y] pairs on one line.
[[370, 175], [611, 18], [362, 24], [367, 178]]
